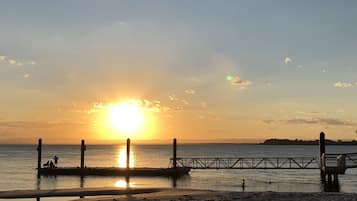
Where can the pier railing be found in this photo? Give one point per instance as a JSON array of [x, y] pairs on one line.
[[339, 162], [249, 163]]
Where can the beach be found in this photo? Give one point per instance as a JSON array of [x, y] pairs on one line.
[[170, 194], [203, 195]]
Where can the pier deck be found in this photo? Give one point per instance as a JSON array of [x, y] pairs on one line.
[[114, 171]]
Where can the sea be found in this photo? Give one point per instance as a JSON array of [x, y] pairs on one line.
[[18, 167]]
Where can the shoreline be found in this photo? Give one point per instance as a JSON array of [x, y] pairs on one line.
[[167, 194], [204, 195]]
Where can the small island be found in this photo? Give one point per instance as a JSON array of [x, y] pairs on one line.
[[276, 141]]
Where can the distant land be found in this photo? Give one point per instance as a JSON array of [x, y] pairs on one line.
[[275, 141]]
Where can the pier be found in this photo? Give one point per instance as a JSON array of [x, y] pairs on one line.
[[330, 164], [250, 163], [83, 170]]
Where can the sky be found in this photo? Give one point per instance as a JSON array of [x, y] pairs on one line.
[[234, 71]]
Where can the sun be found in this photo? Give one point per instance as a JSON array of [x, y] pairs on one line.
[[125, 118]]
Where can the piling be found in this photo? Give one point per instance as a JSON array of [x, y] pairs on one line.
[[83, 148], [39, 157], [174, 152], [322, 152], [128, 153]]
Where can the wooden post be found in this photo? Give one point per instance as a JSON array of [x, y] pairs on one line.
[[335, 178], [39, 157], [322, 151], [174, 158], [128, 153], [83, 148]]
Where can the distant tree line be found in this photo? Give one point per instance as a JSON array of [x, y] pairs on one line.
[[275, 141]]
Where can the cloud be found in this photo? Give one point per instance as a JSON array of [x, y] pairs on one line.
[[173, 97], [3, 58], [319, 121], [190, 91], [235, 80], [287, 60], [342, 84], [313, 113], [11, 61], [35, 124], [123, 23], [144, 104], [184, 101]]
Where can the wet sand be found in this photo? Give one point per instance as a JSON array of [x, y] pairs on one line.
[[159, 194], [203, 195]]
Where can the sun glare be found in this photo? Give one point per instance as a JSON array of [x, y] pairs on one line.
[[126, 118]]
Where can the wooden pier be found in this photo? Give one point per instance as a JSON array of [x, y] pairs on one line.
[[110, 171], [330, 164]]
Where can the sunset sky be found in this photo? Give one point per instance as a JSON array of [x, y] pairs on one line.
[[196, 70]]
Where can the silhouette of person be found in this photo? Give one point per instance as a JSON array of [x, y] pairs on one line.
[[55, 158]]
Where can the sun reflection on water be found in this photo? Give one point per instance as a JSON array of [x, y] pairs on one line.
[[121, 159], [124, 183]]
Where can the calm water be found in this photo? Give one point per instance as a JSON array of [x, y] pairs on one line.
[[18, 163]]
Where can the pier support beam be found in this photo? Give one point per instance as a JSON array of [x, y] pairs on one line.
[[39, 157], [335, 178], [174, 158], [128, 153], [83, 148], [322, 151]]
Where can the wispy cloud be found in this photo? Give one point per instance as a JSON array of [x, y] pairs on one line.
[[235, 80], [12, 61], [184, 101], [2, 58], [35, 124], [173, 97], [287, 60], [144, 104], [319, 121], [342, 84], [190, 91]]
